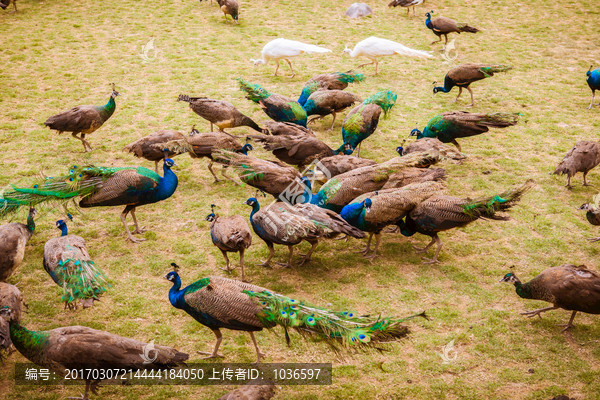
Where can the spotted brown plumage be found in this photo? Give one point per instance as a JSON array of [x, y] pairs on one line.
[[465, 74], [443, 26], [230, 234], [218, 112], [583, 157], [13, 239], [199, 145], [294, 150], [83, 119], [443, 212], [371, 212], [570, 287], [144, 147], [287, 224], [272, 177], [407, 4], [432, 144], [324, 102], [329, 81], [80, 347], [340, 163], [286, 128]]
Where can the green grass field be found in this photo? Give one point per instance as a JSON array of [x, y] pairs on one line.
[[57, 55]]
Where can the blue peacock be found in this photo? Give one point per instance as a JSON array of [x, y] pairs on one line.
[[99, 187], [362, 120], [328, 81], [593, 81], [449, 126], [221, 303], [276, 106], [68, 263]]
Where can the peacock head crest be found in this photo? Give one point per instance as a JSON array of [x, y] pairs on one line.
[[169, 163], [306, 180], [368, 203], [252, 201], [114, 91], [416, 132], [589, 71], [246, 148], [212, 216], [173, 275], [400, 150], [347, 50], [510, 277]]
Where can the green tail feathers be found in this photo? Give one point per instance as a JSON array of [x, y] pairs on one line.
[[492, 69], [80, 280], [346, 328], [487, 207], [384, 99], [350, 77], [500, 119], [254, 92]]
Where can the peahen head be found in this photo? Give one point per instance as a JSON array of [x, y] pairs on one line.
[[114, 92], [510, 278], [400, 150], [417, 133], [347, 50]]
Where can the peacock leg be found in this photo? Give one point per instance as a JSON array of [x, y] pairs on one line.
[[454, 142], [123, 216], [309, 254], [368, 248], [369, 63], [358, 152], [74, 134], [290, 64], [459, 93], [259, 354], [584, 181], [376, 66], [424, 249], [445, 37], [85, 142], [156, 166], [215, 353], [472, 100], [223, 169], [242, 266], [568, 185], [276, 68], [289, 262], [211, 127], [377, 242], [408, 12], [437, 41], [228, 266], [85, 395], [137, 227], [530, 314], [210, 164], [332, 122], [592, 102], [434, 260], [596, 239], [570, 324], [267, 262], [313, 118]]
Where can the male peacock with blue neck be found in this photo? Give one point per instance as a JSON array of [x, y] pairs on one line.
[[593, 81], [328, 81], [83, 119], [221, 303], [101, 187]]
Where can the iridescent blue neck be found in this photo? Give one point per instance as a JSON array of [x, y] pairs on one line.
[[64, 230], [175, 295], [428, 22], [306, 92], [352, 212], [255, 208], [167, 185], [111, 105]]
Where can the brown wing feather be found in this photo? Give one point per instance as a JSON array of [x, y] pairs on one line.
[[294, 150], [329, 81], [466, 73], [13, 238], [333, 100], [584, 156], [338, 164], [231, 233], [54, 250], [287, 128], [433, 144], [77, 119], [444, 25], [117, 190], [145, 148], [408, 176], [11, 296]]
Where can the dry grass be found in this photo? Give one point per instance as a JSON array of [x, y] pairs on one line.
[[60, 54]]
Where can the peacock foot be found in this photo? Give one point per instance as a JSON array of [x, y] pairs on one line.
[[594, 239], [82, 397], [265, 264], [392, 229], [227, 269], [420, 249], [430, 260], [210, 355], [566, 327], [344, 238], [531, 314], [568, 186], [371, 257], [285, 265], [136, 240], [137, 231], [259, 357]]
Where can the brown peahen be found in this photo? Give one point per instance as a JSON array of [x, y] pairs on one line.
[[294, 150], [442, 212], [371, 212], [83, 120], [324, 102], [343, 188], [70, 266], [221, 303], [272, 177], [80, 347], [328, 81], [13, 239], [407, 4], [145, 148], [229, 7], [5, 3], [286, 224], [432, 144], [99, 187], [583, 157], [220, 113], [200, 145], [230, 234], [410, 175], [443, 26], [10, 296], [452, 125], [465, 74], [570, 287]]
